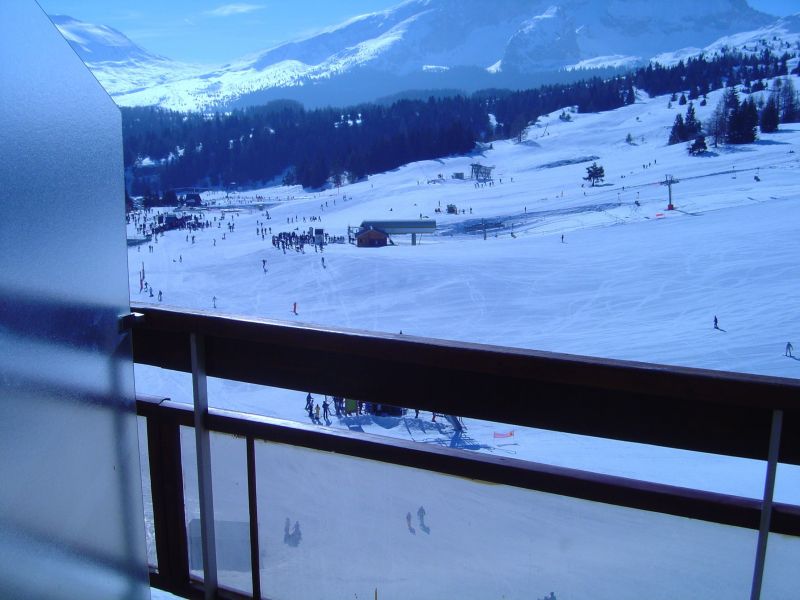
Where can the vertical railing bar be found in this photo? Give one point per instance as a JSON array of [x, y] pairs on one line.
[[255, 564], [166, 486], [766, 506], [204, 481]]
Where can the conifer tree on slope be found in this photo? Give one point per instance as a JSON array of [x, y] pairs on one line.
[[770, 116], [594, 173], [788, 103], [691, 123], [678, 132], [698, 146], [742, 122]]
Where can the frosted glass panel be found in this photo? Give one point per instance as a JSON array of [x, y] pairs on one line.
[[231, 514], [781, 578], [71, 518], [147, 493], [339, 527]]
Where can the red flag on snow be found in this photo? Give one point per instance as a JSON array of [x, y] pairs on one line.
[[504, 435]]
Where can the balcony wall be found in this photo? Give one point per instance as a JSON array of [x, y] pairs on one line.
[[70, 498]]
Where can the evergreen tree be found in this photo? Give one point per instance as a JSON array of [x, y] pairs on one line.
[[698, 146], [731, 107], [682, 100], [749, 122], [692, 124], [770, 116], [678, 132], [742, 122], [717, 125], [730, 100], [630, 95], [594, 173], [788, 102]]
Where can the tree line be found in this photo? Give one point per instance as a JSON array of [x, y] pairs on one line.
[[736, 121], [285, 142]]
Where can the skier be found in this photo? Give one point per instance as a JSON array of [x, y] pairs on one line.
[[316, 412], [325, 408], [214, 301], [562, 238], [159, 295], [789, 349], [309, 403], [323, 262], [716, 323]]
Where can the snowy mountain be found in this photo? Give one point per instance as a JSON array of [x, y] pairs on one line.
[[98, 43], [418, 43], [120, 65], [778, 37]]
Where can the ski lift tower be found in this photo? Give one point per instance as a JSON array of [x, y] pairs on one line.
[[669, 181]]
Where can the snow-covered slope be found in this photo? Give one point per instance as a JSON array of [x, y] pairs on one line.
[[98, 43], [546, 197], [512, 37]]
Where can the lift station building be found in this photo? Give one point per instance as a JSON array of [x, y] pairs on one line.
[[412, 226]]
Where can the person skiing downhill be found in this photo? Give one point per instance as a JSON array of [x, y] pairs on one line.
[[789, 349], [716, 323]]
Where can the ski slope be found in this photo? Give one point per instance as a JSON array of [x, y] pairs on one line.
[[628, 281]]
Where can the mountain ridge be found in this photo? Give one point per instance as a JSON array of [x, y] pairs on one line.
[[430, 42]]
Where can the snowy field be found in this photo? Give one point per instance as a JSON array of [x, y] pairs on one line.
[[629, 281]]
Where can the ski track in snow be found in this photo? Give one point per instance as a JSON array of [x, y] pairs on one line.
[[629, 282]]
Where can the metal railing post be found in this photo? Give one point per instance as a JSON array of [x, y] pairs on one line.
[[166, 487], [252, 499], [766, 507], [204, 482]]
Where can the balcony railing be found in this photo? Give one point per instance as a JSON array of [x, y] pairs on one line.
[[729, 414]]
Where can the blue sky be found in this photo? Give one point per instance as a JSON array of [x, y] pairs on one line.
[[217, 31]]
